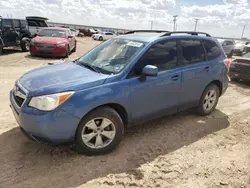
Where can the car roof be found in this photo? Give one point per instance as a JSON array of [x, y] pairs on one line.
[[153, 36], [143, 37]]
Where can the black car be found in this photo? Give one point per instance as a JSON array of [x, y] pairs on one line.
[[14, 32], [240, 68]]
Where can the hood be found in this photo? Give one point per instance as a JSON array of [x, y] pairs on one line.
[[60, 77], [49, 40]]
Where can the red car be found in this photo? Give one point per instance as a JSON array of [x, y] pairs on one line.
[[53, 41]]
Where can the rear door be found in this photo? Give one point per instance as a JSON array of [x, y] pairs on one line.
[[8, 32], [17, 28], [228, 46], [71, 40], [195, 72]]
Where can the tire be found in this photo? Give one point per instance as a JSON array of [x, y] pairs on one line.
[[115, 126], [101, 38], [74, 49], [67, 52], [25, 46], [204, 108], [1, 49], [230, 54]]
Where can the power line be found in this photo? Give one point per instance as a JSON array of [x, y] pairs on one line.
[[196, 22]]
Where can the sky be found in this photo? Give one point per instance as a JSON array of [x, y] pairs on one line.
[[217, 17]]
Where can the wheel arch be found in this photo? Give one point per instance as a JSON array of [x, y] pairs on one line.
[[117, 107], [218, 84]]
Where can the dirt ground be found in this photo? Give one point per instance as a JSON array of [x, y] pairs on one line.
[[182, 150]]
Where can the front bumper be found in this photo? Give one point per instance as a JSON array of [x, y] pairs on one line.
[[56, 52], [54, 127]]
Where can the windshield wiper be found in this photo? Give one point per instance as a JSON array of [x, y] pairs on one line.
[[93, 68]]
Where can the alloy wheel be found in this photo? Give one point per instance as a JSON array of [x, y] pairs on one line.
[[98, 133], [210, 100]]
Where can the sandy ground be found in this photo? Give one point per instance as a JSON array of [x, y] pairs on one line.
[[183, 150]]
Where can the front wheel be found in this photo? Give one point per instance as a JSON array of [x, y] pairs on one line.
[[101, 38], [99, 132], [208, 100]]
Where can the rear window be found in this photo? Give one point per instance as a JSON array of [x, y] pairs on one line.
[[192, 51], [37, 23], [212, 49]]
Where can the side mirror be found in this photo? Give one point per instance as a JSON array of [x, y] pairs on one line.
[[150, 70], [70, 36]]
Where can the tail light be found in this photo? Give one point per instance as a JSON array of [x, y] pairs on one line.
[[227, 63]]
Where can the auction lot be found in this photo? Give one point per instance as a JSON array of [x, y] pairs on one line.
[[183, 150]]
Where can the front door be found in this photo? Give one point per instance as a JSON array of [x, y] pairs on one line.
[[195, 72], [155, 96]]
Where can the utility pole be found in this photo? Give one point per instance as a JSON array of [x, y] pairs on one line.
[[243, 31], [175, 19], [196, 22], [152, 25]]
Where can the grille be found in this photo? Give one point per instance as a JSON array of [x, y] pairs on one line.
[[19, 96], [45, 46]]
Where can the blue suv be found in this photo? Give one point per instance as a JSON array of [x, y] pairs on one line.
[[122, 82]]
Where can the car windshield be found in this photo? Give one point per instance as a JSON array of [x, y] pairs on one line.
[[113, 55], [52, 33]]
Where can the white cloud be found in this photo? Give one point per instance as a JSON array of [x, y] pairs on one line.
[[219, 19]]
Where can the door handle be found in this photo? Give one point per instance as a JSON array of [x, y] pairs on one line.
[[207, 69], [175, 78]]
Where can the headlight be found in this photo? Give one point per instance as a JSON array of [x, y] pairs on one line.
[[61, 45], [49, 102]]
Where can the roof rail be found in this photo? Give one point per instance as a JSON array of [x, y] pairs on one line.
[[186, 32], [146, 31]]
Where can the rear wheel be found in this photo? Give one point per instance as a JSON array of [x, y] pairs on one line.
[[230, 54], [99, 132], [25, 45], [208, 100], [1, 49], [74, 49], [67, 52]]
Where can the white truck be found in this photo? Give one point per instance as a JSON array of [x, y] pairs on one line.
[[36, 24]]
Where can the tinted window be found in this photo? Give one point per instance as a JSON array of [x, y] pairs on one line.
[[16, 24], [7, 22], [163, 55], [192, 51], [212, 49], [109, 34], [32, 23]]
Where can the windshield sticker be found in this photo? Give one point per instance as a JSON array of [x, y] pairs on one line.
[[135, 44]]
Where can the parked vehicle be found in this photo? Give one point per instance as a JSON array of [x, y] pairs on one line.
[[228, 46], [239, 47], [247, 48], [14, 33], [80, 34], [240, 68], [122, 82], [103, 36], [53, 41], [36, 24], [74, 31]]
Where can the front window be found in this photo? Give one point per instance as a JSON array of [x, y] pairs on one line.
[[52, 33], [113, 55]]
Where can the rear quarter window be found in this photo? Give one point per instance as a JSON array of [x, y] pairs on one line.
[[212, 49]]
